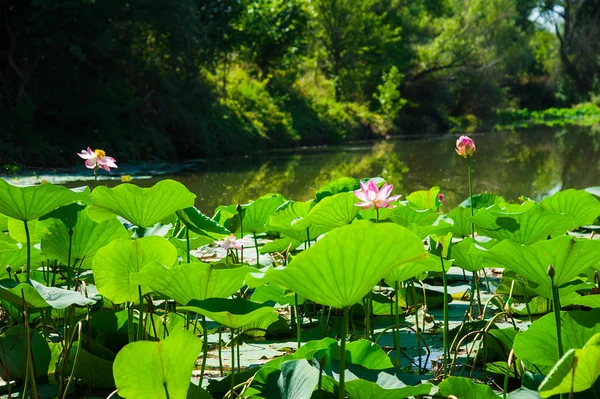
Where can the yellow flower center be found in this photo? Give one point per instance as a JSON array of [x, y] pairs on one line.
[[99, 153]]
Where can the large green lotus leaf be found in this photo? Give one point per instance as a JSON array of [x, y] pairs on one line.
[[468, 258], [333, 211], [88, 237], [424, 199], [482, 200], [364, 353], [465, 388], [405, 215], [462, 221], [227, 216], [201, 224], [337, 186], [573, 298], [343, 266], [28, 203], [14, 349], [285, 220], [297, 379], [158, 370], [442, 225], [38, 296], [143, 207], [94, 364], [37, 228], [569, 257], [306, 351], [538, 343], [232, 313], [413, 269], [68, 214], [583, 207], [15, 257], [189, 281], [115, 263], [576, 371], [275, 293], [256, 215], [524, 227], [280, 245]]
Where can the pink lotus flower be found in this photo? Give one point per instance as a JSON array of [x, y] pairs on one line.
[[97, 159], [441, 199], [371, 196], [231, 242], [465, 146]]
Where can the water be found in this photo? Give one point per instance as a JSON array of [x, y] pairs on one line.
[[534, 163]]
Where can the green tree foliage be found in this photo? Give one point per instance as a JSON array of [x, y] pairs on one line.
[[161, 79]]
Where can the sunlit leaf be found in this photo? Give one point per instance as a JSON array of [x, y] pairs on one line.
[[115, 263], [157, 370], [143, 207], [232, 313], [465, 388], [256, 215], [333, 211], [344, 184], [583, 207], [424, 199], [468, 258], [413, 269], [38, 296], [482, 200], [201, 224]]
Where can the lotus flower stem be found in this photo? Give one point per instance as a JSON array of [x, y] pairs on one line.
[[417, 331], [130, 332], [187, 240], [30, 373], [28, 249], [141, 316], [239, 209], [397, 324], [343, 333], [298, 322], [220, 351], [257, 253], [446, 352], [69, 259], [204, 348], [557, 307], [237, 342], [232, 363]]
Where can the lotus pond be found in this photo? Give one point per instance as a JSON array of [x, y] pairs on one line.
[[134, 292]]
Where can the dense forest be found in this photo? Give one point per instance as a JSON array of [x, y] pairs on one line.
[[186, 79]]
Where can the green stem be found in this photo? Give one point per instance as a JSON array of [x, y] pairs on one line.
[[343, 333], [446, 354], [69, 259], [220, 351], [130, 332], [298, 322], [478, 293], [232, 363], [417, 330], [30, 366], [556, 306], [204, 349], [471, 195], [187, 240], [28, 250], [257, 253], [397, 324], [377, 213], [141, 319], [241, 236]]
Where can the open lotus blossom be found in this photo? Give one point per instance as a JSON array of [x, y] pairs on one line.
[[97, 159], [372, 196], [231, 242], [465, 146]]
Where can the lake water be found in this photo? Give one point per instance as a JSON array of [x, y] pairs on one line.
[[534, 163]]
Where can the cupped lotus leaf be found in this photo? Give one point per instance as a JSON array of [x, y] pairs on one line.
[[469, 258], [67, 214], [576, 371], [464, 388], [424, 199], [482, 200], [157, 370], [462, 221], [188, 281], [14, 349], [274, 293], [232, 313], [583, 207], [524, 226], [365, 353], [201, 224], [280, 245], [38, 296], [114, 264], [255, 216], [306, 351], [144, 207], [288, 219], [404, 272], [568, 256], [538, 344], [342, 267], [404, 215], [228, 216], [88, 237], [32, 202], [341, 185], [333, 211], [442, 225]]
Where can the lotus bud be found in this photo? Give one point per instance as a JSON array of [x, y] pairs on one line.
[[239, 208], [8, 269], [465, 146], [551, 271], [440, 200]]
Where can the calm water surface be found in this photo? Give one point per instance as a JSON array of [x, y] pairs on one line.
[[533, 163]]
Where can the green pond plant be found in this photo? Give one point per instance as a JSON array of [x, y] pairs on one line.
[[119, 292]]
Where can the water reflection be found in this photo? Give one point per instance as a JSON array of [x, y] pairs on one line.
[[533, 163]]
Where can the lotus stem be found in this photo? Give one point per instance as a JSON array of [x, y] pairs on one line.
[[417, 332], [141, 316], [343, 333], [69, 259], [471, 194], [397, 322], [377, 215], [30, 366], [507, 374], [220, 351], [204, 349], [237, 342], [446, 352], [557, 307], [232, 362], [72, 377], [298, 322], [187, 240], [239, 209], [257, 252], [28, 249]]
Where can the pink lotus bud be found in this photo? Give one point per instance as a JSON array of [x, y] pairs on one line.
[[465, 146], [441, 200]]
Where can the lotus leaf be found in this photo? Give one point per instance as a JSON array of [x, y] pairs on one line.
[[201, 224], [232, 313], [583, 207], [38, 296], [424, 199]]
